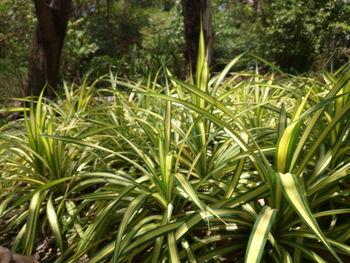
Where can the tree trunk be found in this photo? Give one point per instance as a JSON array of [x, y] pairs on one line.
[[47, 43], [193, 12]]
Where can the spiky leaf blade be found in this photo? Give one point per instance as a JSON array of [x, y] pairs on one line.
[[259, 234]]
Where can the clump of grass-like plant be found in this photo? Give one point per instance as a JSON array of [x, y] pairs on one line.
[[229, 168]]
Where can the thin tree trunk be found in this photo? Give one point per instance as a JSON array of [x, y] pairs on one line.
[[194, 12], [47, 43]]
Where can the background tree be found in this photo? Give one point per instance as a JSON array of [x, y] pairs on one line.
[[135, 38], [132, 38], [303, 34], [194, 12], [47, 43], [16, 26], [297, 36]]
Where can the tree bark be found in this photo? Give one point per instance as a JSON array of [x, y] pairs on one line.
[[47, 43], [194, 12]]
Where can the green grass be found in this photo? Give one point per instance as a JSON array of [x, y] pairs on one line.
[[225, 168]]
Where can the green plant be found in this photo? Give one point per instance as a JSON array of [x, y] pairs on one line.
[[230, 168], [200, 181], [39, 173]]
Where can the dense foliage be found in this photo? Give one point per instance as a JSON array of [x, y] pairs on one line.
[[235, 167], [296, 35], [302, 33], [16, 25], [131, 162], [138, 37]]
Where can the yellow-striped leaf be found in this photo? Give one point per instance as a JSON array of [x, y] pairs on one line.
[[258, 237], [296, 198]]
